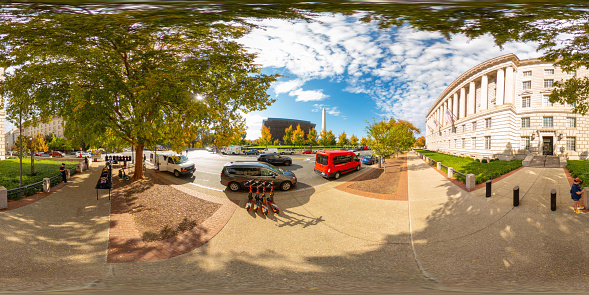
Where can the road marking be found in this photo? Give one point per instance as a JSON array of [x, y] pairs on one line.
[[211, 188]]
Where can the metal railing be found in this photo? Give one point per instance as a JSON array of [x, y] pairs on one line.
[[33, 188], [434, 162]]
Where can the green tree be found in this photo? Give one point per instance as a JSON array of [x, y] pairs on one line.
[[266, 136], [323, 138], [330, 138], [312, 137], [36, 144], [276, 142], [387, 137], [145, 76], [287, 138]]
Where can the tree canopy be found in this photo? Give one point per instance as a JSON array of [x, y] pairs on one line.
[[144, 76]]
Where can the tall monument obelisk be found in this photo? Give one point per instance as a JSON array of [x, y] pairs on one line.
[[323, 124]]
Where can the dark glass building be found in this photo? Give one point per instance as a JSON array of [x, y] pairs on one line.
[[278, 125]]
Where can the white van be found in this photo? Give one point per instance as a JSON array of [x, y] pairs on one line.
[[231, 150], [177, 164], [270, 150]]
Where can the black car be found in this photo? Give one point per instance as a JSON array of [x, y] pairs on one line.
[[275, 159], [235, 175]]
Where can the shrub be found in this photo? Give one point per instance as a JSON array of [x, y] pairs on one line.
[[484, 161]]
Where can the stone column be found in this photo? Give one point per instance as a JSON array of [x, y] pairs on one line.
[[442, 111], [471, 98], [470, 181], [500, 87], [455, 105], [3, 197], [462, 102], [509, 86], [484, 89]]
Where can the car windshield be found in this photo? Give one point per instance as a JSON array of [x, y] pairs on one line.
[[367, 157], [276, 169], [179, 159]]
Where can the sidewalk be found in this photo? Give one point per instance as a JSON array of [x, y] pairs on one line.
[[60, 240]]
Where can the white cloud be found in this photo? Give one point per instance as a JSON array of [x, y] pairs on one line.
[[329, 110], [254, 125], [308, 95], [403, 70]]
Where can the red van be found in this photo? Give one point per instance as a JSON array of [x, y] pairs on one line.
[[335, 163]]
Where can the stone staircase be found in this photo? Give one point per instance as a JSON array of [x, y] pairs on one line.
[[545, 161]]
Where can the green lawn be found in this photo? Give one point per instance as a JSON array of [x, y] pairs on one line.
[[580, 169], [10, 176], [466, 165]]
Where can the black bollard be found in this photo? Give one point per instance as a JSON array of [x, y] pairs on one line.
[[553, 200], [516, 196], [488, 195]]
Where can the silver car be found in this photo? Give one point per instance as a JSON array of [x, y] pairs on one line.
[[235, 174]]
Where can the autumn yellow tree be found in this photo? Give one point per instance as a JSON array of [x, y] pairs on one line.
[[298, 136], [354, 140], [287, 138], [343, 139], [312, 137], [266, 136]]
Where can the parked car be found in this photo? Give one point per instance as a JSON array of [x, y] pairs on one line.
[[287, 151], [307, 151], [235, 174], [39, 154], [275, 159], [332, 164], [252, 152], [369, 159], [57, 154]]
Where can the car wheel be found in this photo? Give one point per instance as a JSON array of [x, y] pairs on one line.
[[233, 186], [287, 163], [358, 168], [285, 186], [337, 175], [176, 173]]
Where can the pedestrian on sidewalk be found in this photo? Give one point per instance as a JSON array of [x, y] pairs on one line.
[[62, 171], [577, 195]]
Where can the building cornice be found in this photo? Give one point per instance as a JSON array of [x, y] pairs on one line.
[[481, 68]]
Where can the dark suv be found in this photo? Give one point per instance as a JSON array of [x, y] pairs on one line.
[[235, 174], [275, 159]]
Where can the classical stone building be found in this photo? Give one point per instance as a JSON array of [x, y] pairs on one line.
[[55, 126], [500, 109], [278, 125]]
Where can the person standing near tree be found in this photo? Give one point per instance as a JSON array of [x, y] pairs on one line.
[[63, 171]]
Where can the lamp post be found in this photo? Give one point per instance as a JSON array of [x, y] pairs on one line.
[[20, 135]]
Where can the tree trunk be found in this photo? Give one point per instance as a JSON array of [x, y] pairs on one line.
[[32, 163], [138, 174]]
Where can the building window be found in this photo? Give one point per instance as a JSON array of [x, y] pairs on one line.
[[474, 126], [463, 143], [525, 143], [548, 83], [526, 102], [572, 122], [487, 142], [527, 73], [571, 143], [546, 101], [455, 143], [572, 73], [566, 104], [547, 122], [473, 143], [488, 123], [527, 85], [463, 128], [548, 71], [525, 122]]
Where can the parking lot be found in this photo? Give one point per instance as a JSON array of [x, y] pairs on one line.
[[209, 166]]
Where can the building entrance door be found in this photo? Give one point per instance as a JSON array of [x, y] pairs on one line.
[[547, 145]]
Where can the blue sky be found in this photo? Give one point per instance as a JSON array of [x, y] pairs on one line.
[[359, 72]]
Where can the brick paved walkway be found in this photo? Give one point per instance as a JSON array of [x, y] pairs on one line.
[[126, 245], [402, 193]]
